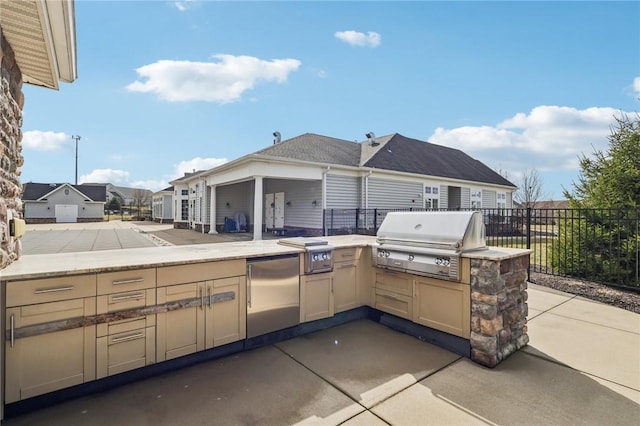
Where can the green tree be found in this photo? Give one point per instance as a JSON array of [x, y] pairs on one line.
[[600, 241], [114, 205], [611, 179]]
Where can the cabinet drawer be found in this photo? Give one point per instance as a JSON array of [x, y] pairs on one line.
[[396, 282], [393, 303], [169, 275], [127, 300], [117, 282], [30, 292], [346, 254], [125, 350]]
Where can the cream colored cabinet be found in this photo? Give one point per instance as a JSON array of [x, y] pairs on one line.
[[443, 305], [128, 343], [393, 293], [49, 344], [209, 311], [345, 278], [316, 296]]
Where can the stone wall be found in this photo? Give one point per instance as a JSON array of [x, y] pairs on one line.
[[498, 308], [11, 102]]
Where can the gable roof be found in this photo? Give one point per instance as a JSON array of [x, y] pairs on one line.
[[32, 191], [394, 152], [317, 149], [414, 156]]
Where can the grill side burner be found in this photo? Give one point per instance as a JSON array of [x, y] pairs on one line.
[[428, 243], [318, 254]]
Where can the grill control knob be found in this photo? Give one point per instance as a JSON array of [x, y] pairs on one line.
[[386, 254], [315, 257], [380, 253], [324, 256], [411, 257]]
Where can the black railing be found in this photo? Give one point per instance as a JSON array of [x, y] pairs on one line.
[[600, 245]]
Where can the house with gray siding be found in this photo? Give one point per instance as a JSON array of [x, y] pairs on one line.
[[285, 187], [63, 202], [162, 205]]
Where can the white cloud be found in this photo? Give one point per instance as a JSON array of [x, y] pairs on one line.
[[222, 81], [636, 86], [123, 177], [546, 138], [356, 38], [184, 5], [44, 141], [188, 166], [114, 176]]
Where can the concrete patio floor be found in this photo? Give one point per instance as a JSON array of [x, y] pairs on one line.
[[582, 366]]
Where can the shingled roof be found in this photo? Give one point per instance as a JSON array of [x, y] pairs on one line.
[[34, 191], [395, 153], [404, 154], [316, 148]]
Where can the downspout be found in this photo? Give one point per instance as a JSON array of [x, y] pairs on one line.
[[203, 200]]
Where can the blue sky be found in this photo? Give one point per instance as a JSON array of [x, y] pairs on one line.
[[168, 87]]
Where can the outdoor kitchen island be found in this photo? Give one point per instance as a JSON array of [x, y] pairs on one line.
[[80, 322]]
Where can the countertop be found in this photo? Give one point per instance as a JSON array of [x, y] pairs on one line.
[[61, 264]]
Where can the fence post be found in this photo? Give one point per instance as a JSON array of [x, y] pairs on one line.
[[357, 220], [332, 210], [529, 241], [375, 220]]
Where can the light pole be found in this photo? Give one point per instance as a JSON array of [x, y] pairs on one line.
[[77, 138]]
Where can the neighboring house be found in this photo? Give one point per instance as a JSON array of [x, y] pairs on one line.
[[129, 196], [162, 205], [63, 202], [288, 185], [38, 47]]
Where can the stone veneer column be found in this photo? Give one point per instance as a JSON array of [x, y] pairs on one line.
[[11, 102], [498, 308]]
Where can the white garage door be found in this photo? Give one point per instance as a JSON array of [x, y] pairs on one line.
[[66, 213]]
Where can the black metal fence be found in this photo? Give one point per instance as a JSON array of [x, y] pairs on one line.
[[600, 245]]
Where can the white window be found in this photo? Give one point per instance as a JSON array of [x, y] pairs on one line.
[[476, 199], [501, 200], [431, 197]]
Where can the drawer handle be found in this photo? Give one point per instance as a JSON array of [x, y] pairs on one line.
[[348, 265], [127, 297], [127, 338], [391, 296], [12, 325], [52, 290], [347, 255], [134, 280]]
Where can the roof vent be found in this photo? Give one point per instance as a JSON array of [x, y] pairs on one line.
[[372, 139], [276, 137]]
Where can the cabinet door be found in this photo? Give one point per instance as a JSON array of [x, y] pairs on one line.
[[316, 297], [345, 279], [443, 305], [40, 361], [180, 330], [228, 309]]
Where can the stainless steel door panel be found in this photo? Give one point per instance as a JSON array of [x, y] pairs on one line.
[[273, 294]]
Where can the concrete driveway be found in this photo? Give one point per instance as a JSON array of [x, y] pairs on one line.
[[115, 234]]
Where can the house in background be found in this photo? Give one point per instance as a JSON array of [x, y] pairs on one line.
[[289, 185], [63, 202], [162, 205]]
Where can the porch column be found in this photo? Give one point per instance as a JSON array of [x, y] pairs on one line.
[[257, 209], [212, 213]]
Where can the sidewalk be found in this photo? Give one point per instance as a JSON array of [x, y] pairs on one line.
[[581, 367]]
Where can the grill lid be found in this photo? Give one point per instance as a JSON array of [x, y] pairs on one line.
[[452, 231]]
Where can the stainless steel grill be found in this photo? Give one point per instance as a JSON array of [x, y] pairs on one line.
[[428, 243]]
